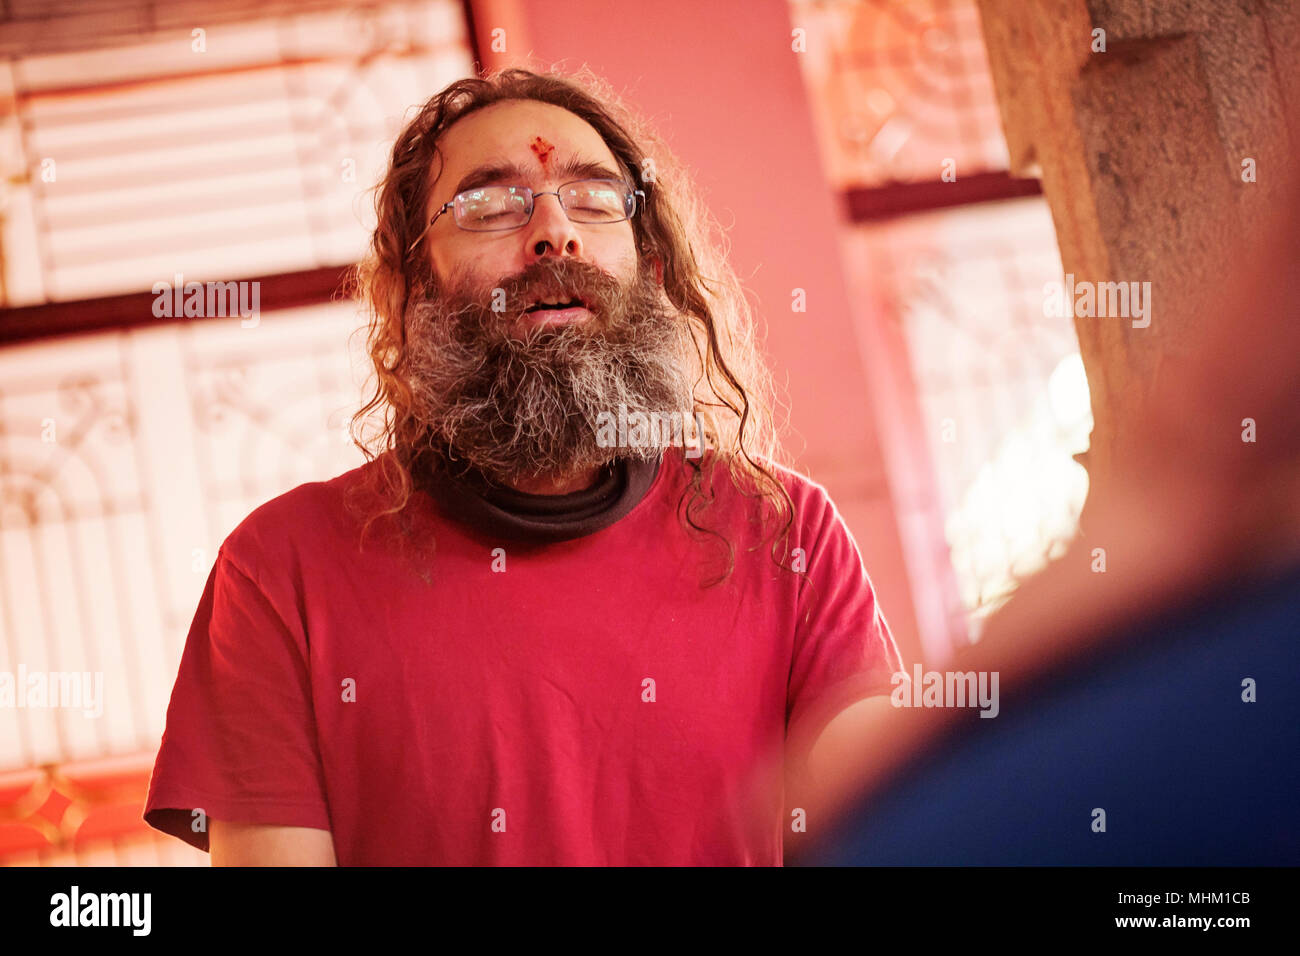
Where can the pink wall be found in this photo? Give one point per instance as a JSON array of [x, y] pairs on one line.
[[720, 81]]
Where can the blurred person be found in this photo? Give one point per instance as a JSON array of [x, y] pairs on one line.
[[533, 628], [1148, 715]]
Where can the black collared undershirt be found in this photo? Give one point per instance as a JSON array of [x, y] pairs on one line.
[[499, 511]]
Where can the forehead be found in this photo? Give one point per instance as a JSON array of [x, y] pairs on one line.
[[520, 131]]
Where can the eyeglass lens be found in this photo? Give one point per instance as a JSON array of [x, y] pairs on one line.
[[505, 207]]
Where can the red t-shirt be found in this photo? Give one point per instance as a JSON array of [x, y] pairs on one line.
[[579, 702]]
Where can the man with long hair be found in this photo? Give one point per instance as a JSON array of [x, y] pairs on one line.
[[572, 610]]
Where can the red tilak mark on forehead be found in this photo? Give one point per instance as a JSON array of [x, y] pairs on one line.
[[542, 149]]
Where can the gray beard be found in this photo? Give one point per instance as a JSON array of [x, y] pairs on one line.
[[530, 406]]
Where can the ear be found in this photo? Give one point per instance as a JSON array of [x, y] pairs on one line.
[[659, 268]]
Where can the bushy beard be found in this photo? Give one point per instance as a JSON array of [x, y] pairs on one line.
[[514, 399]]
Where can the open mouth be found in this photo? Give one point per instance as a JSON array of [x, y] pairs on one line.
[[556, 303]]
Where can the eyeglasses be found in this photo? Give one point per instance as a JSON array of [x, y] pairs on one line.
[[495, 208]]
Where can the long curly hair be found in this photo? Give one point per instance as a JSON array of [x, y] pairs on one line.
[[733, 395]]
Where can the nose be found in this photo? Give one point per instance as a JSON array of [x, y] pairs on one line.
[[550, 231]]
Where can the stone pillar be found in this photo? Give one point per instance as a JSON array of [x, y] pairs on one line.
[[1159, 130]]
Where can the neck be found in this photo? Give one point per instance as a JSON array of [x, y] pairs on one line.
[[556, 484]]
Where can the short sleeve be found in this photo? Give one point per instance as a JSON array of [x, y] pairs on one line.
[[240, 740], [843, 649]]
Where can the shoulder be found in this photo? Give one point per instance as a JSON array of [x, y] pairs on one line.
[[798, 485], [312, 518], [737, 480], [815, 513]]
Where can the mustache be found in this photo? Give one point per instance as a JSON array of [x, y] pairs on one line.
[[550, 277]]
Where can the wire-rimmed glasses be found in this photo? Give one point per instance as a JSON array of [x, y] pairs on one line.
[[497, 208]]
